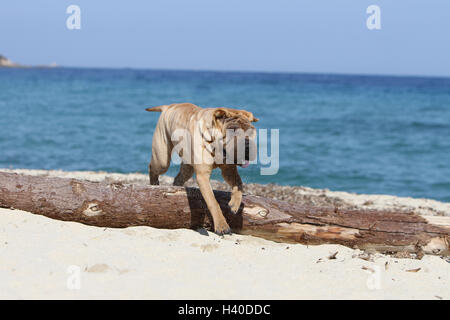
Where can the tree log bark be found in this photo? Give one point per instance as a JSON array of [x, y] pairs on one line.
[[123, 205]]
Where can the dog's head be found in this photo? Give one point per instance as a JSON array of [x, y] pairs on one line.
[[234, 135]]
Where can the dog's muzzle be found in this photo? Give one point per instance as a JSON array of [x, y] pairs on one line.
[[243, 159]]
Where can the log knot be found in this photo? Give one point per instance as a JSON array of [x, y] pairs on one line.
[[92, 209], [256, 212]]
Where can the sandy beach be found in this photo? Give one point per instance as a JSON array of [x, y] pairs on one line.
[[330, 121], [43, 258]]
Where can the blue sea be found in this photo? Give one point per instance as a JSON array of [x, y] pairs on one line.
[[364, 134]]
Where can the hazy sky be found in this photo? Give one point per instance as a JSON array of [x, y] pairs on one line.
[[257, 35]]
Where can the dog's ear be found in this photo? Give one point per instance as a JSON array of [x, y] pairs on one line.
[[221, 113], [249, 115]]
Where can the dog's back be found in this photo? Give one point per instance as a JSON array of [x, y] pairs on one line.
[[176, 116]]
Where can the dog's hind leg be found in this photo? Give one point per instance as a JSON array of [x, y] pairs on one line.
[[161, 154], [186, 172], [154, 177]]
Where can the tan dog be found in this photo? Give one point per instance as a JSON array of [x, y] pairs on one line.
[[202, 132]]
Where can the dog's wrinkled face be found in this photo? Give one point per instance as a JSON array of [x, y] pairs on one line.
[[237, 135]]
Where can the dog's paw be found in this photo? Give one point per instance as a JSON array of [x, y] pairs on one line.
[[234, 204], [222, 228]]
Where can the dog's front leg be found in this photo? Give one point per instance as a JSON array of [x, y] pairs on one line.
[[231, 175], [220, 224]]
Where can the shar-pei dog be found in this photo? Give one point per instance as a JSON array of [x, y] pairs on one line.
[[205, 139]]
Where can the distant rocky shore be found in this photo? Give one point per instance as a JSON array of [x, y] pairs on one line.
[[7, 63]]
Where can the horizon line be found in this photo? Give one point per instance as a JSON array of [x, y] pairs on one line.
[[263, 71], [368, 74]]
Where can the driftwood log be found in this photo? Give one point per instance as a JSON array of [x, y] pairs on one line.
[[123, 205]]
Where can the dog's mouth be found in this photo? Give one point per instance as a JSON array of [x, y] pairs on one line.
[[245, 164]]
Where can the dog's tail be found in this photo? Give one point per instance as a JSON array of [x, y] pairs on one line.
[[158, 108]]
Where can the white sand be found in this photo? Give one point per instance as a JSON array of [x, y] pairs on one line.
[[40, 256], [36, 255]]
